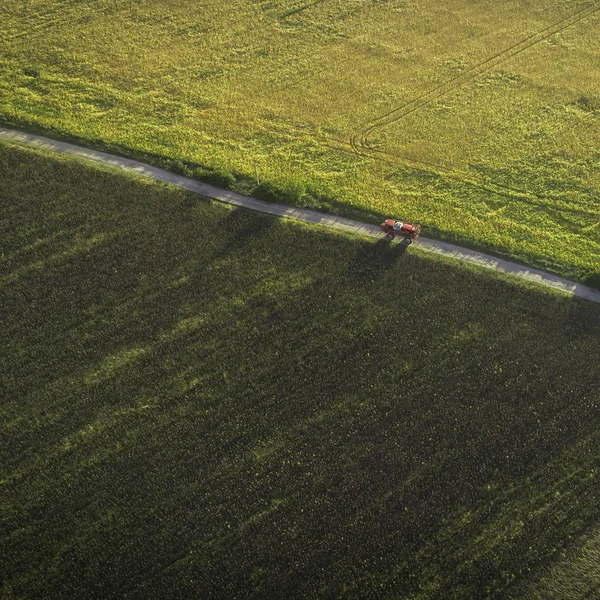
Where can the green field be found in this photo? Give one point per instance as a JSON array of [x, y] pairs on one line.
[[478, 119], [205, 402]]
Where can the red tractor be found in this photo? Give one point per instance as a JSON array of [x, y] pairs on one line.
[[395, 229]]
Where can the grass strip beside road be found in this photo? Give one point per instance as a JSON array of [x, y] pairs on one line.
[[573, 575]]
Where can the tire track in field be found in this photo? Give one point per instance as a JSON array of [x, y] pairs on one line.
[[37, 21], [294, 11], [301, 214], [32, 23], [360, 139], [41, 21]]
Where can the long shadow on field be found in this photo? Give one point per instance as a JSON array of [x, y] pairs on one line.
[[240, 229], [374, 260], [259, 432]]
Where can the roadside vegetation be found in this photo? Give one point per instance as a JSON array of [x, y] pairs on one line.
[[574, 574], [479, 120], [209, 402]]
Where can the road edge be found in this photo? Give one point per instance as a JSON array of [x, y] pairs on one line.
[[445, 249]]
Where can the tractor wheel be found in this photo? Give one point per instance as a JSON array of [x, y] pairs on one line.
[[407, 241], [390, 237]]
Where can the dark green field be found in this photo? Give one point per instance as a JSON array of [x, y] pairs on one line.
[[201, 402]]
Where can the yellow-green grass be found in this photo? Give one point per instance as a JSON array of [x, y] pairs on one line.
[[508, 160], [573, 575], [207, 402]]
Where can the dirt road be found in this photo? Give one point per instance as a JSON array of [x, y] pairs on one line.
[[301, 214]]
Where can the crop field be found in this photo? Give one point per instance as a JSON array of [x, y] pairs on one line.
[[478, 119], [207, 402]]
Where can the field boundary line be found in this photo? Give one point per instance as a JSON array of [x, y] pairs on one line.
[[300, 214]]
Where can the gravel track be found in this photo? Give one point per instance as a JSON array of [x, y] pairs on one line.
[[300, 214]]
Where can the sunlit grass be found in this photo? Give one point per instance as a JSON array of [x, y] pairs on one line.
[[575, 572], [507, 161]]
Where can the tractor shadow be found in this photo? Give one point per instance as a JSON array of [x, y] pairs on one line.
[[374, 259], [242, 226]]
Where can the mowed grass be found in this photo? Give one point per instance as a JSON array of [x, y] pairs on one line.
[[207, 403], [498, 149]]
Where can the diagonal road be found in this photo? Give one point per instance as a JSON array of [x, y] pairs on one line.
[[301, 214]]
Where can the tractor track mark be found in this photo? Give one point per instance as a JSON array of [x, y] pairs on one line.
[[295, 11], [360, 140], [44, 21], [34, 23], [301, 214], [440, 170], [476, 70]]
